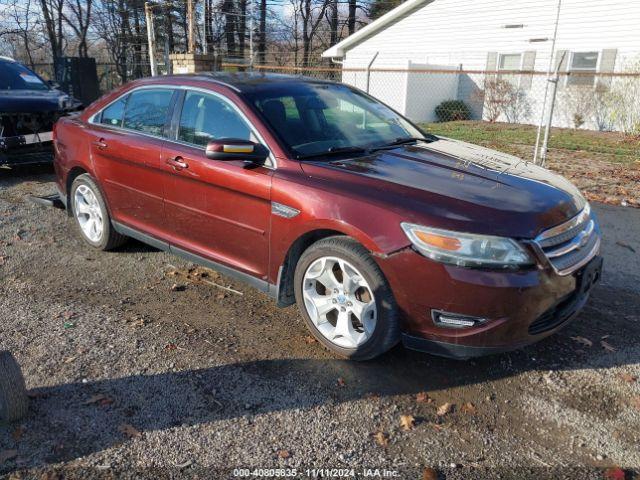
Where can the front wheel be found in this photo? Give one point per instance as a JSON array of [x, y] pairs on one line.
[[345, 300]]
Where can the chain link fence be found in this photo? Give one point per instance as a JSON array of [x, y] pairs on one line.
[[507, 106]]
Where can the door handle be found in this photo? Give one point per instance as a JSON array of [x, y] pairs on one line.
[[101, 144], [177, 163]]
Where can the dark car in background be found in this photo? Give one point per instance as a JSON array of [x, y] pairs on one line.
[[318, 194], [29, 106]]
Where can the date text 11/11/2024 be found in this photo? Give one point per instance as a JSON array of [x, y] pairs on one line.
[[315, 473]]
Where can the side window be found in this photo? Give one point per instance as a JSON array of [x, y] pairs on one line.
[[147, 110], [112, 115], [207, 117]]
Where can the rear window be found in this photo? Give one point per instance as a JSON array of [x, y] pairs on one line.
[[14, 76], [146, 110], [113, 114]]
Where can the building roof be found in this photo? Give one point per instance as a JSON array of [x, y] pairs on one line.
[[389, 18]]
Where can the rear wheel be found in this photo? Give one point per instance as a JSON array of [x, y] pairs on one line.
[[91, 215], [345, 300]]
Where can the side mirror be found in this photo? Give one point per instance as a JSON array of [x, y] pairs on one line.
[[53, 84], [236, 149]]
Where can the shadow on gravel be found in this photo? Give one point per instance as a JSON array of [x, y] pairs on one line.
[[10, 177], [90, 417]]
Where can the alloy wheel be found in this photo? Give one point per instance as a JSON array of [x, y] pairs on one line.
[[339, 302], [88, 213]]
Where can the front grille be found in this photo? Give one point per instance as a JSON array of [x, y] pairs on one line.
[[570, 245]]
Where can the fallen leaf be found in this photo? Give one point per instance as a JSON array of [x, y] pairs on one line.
[[18, 433], [340, 382], [437, 427], [445, 409], [7, 455], [423, 397], [407, 422], [381, 438], [584, 341], [129, 431], [469, 408], [625, 377], [170, 346], [69, 359], [283, 454], [309, 339], [51, 475], [607, 346], [429, 474], [614, 473]]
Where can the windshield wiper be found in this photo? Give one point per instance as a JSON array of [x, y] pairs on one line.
[[333, 151], [404, 141]]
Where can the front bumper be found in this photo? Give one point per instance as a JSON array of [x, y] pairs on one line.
[[26, 149], [520, 308]]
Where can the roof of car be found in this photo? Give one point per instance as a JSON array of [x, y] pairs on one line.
[[246, 81]]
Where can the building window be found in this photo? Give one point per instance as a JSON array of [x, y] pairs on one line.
[[510, 62], [584, 65]]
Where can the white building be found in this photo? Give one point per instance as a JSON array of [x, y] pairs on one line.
[[472, 36]]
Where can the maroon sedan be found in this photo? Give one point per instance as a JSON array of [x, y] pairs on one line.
[[320, 195]]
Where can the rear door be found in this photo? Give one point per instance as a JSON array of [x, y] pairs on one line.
[[126, 146], [220, 210]]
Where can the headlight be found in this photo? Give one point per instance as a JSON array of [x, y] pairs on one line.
[[466, 249]]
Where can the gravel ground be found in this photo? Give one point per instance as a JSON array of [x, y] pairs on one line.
[[130, 376]]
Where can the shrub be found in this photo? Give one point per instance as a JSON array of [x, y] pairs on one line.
[[452, 110]]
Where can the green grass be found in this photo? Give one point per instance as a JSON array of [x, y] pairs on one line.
[[511, 138]]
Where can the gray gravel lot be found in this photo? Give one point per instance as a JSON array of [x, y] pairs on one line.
[[130, 378]]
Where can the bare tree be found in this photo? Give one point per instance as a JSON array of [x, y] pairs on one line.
[[80, 23], [311, 14], [111, 26], [52, 13]]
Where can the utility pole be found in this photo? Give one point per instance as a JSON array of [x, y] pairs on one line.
[[191, 38], [151, 38]]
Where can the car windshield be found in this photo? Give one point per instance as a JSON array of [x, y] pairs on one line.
[[317, 118], [14, 76]]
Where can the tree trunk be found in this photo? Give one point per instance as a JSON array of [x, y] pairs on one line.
[[229, 28], [169, 20], [262, 40], [333, 23], [242, 27], [351, 19], [137, 41]]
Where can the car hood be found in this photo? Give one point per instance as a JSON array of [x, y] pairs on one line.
[[457, 185], [33, 101]]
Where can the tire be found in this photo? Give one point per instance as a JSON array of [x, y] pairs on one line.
[[108, 239], [14, 403], [347, 255]]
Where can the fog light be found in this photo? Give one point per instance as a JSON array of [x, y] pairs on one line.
[[454, 320]]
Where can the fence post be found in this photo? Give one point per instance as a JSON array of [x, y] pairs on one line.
[[373, 59], [151, 38]]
